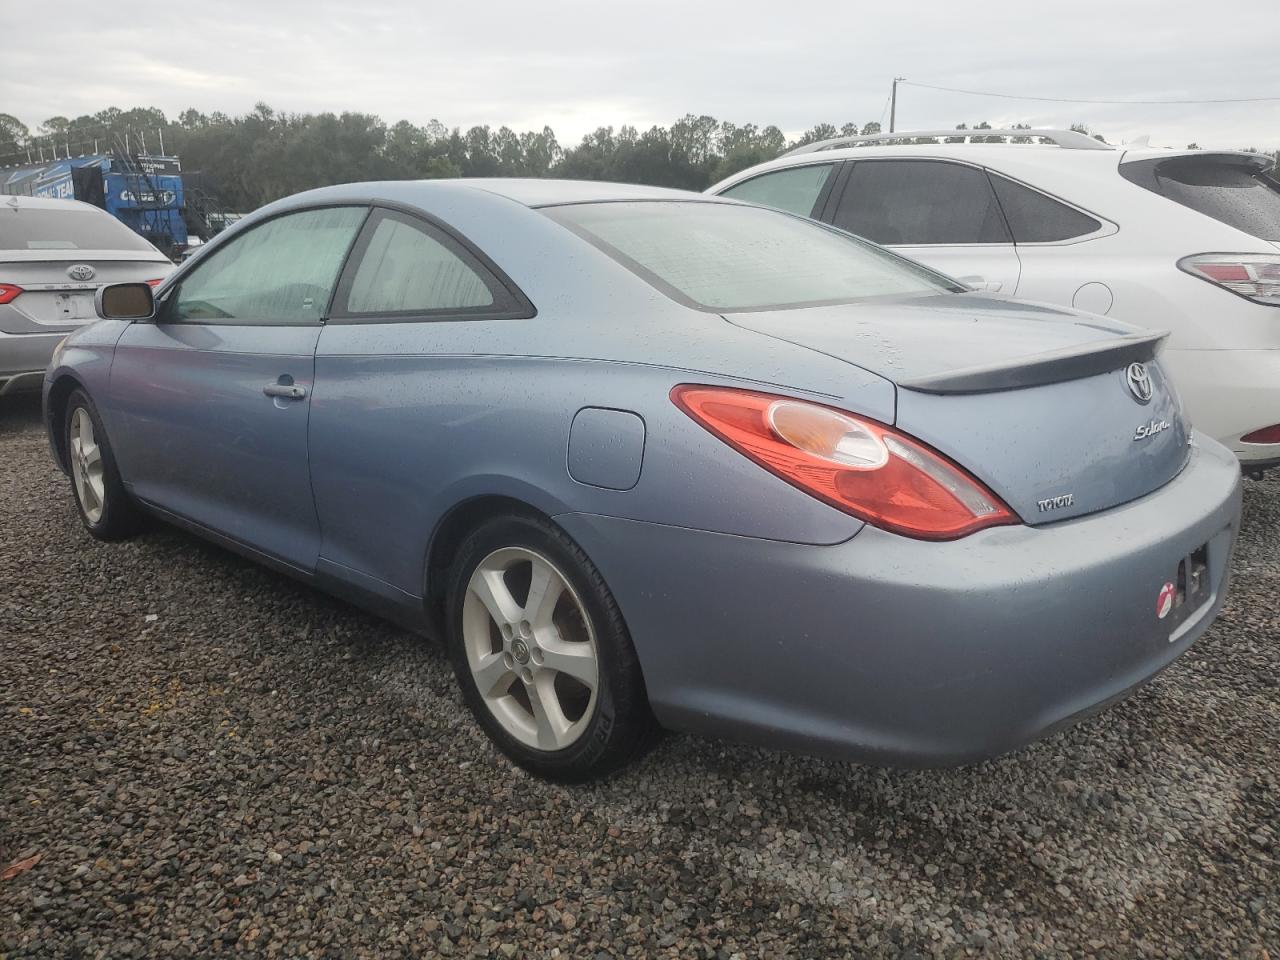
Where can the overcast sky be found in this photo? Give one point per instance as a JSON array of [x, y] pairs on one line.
[[576, 66]]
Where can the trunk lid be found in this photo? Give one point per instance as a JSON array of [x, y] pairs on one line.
[[1033, 400], [51, 300]]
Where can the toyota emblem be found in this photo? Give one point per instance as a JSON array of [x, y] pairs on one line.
[[80, 272], [1139, 381]]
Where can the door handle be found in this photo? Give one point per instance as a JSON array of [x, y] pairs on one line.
[[976, 282], [287, 391]]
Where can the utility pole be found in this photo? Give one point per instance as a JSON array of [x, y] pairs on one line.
[[893, 104]]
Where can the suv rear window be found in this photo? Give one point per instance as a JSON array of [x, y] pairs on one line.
[[730, 257], [76, 228], [1238, 194]]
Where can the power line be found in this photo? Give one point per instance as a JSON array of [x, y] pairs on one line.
[[1011, 96]]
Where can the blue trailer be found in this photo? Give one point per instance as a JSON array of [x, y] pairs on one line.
[[143, 192]]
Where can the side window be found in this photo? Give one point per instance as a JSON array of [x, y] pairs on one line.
[[282, 271], [406, 268], [920, 201], [1035, 218], [795, 190]]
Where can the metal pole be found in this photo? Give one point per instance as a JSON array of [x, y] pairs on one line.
[[893, 104], [160, 133]]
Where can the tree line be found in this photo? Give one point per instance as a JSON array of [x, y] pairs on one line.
[[264, 154]]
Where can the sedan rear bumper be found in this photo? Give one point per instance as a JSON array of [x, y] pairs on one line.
[[23, 358], [899, 651]]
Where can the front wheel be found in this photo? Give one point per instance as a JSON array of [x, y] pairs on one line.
[[106, 510], [542, 654]]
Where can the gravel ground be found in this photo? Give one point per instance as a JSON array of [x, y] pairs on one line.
[[211, 760]]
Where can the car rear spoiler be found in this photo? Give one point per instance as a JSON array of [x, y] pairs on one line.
[[1055, 366]]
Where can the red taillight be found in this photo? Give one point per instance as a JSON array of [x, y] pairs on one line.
[[1269, 434], [155, 283], [856, 465], [1255, 276], [9, 292]]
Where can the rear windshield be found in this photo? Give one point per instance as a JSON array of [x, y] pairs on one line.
[[43, 228], [727, 257], [1239, 195]]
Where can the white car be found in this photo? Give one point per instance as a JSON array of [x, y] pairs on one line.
[[1182, 240]]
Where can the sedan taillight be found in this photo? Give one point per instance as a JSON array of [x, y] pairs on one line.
[[1254, 276], [9, 292], [155, 283], [856, 465]]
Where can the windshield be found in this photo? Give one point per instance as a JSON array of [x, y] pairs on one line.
[[725, 257], [75, 228]]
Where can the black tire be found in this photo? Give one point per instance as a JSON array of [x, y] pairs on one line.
[[120, 517], [621, 726]]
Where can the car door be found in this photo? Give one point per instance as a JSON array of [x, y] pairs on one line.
[[1058, 263], [214, 395], [942, 213], [395, 394]]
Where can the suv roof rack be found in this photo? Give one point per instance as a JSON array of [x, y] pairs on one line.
[[1067, 139]]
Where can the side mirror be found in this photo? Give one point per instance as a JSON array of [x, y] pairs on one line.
[[125, 301]]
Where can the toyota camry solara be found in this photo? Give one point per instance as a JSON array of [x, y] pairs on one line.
[[651, 459]]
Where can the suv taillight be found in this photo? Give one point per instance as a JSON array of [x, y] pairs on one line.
[[9, 292], [1254, 276]]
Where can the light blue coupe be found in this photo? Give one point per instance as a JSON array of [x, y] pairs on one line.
[[652, 459]]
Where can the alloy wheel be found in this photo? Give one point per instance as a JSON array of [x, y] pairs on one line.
[[86, 465], [531, 648]]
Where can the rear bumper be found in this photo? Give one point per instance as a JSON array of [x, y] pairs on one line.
[[23, 359], [1230, 393], [899, 651]]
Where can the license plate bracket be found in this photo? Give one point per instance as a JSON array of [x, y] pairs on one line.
[[73, 306], [1190, 591]]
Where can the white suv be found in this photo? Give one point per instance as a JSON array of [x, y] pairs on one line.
[[1186, 241]]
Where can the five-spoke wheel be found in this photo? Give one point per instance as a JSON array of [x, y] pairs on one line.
[[542, 653], [530, 648], [106, 509], [86, 464]]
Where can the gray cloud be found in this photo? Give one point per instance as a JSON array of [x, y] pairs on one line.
[[576, 66]]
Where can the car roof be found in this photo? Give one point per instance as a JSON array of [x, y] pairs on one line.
[[46, 203], [1014, 158], [457, 194], [534, 192]]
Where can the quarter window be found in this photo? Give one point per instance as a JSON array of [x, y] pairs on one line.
[[408, 268], [1035, 218], [920, 202], [282, 271], [795, 190]]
